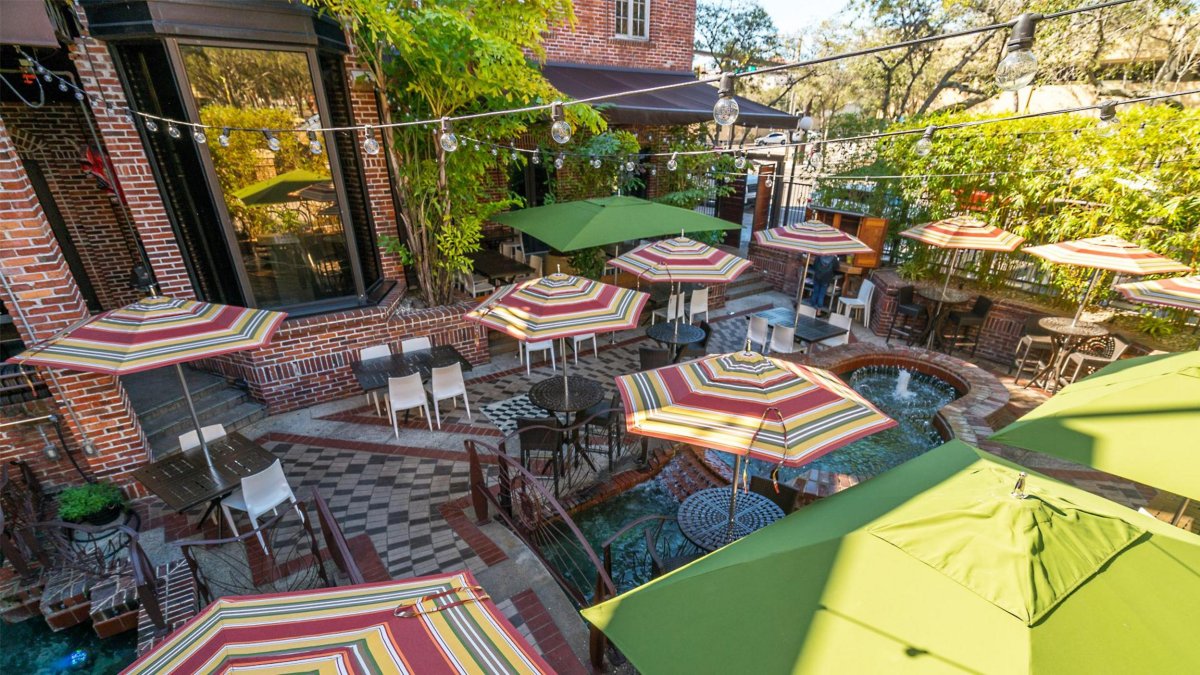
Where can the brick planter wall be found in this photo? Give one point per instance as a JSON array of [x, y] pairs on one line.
[[309, 359]]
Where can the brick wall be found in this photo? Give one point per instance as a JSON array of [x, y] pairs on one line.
[[44, 292], [54, 136], [668, 47], [308, 361]]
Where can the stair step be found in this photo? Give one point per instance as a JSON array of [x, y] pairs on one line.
[[155, 398], [233, 419], [226, 409]]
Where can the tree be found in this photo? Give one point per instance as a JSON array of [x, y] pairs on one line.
[[737, 34], [440, 59]]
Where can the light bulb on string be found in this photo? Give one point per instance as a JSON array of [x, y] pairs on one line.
[[558, 161], [560, 129], [369, 144], [725, 111], [78, 95], [447, 139], [673, 163], [476, 147], [992, 179], [173, 131], [514, 155], [223, 139], [925, 145], [47, 76], [62, 85], [536, 158], [199, 136], [495, 152], [629, 166], [596, 163], [273, 143], [314, 143], [1108, 118], [654, 171], [151, 125], [1019, 66], [739, 162], [805, 123]]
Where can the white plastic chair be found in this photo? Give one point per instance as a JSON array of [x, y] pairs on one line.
[[580, 339], [519, 255], [406, 393], [862, 302], [374, 353], [264, 491], [675, 309], [808, 310], [783, 340], [528, 348], [757, 333], [409, 345], [447, 382], [842, 321], [698, 304], [191, 440], [535, 261], [476, 285]]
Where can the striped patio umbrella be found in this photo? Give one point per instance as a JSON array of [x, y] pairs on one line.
[[810, 238], [439, 624], [681, 260], [745, 403], [152, 333], [1106, 252], [1180, 292], [560, 306]]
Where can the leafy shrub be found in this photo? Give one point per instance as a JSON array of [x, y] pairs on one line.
[[78, 502]]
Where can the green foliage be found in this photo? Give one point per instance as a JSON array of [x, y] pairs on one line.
[[607, 180], [1157, 327], [692, 182], [588, 262], [78, 502]]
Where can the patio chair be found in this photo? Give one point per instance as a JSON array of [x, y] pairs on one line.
[[783, 340], [406, 393], [446, 382], [786, 497], [696, 350], [860, 302], [375, 352], [673, 311], [962, 322], [410, 345], [526, 350], [698, 304], [756, 334], [650, 358], [264, 491], [535, 261], [546, 441], [841, 321], [580, 339], [808, 310], [476, 285], [912, 312], [191, 440], [1036, 342], [605, 415], [1094, 355]]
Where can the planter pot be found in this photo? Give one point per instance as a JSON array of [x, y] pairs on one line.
[[107, 522]]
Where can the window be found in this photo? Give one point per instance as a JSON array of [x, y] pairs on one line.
[[631, 18]]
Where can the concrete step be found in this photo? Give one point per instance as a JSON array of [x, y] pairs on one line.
[[157, 393], [231, 407], [746, 290]]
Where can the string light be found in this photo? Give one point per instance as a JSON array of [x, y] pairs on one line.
[[62, 85], [560, 129], [173, 131], [805, 123], [558, 161], [223, 139], [925, 145], [536, 158], [673, 163], [314, 144], [273, 143], [151, 125], [595, 162], [725, 110], [495, 152], [1019, 66], [369, 144], [447, 139], [629, 166], [1108, 118], [514, 155], [739, 162], [199, 136]]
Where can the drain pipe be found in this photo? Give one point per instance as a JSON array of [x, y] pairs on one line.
[[89, 448]]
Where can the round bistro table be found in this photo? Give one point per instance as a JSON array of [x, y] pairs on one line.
[[704, 516], [1065, 339], [942, 302], [676, 334], [583, 393]]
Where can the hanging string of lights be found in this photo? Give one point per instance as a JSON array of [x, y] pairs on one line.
[[1016, 70]]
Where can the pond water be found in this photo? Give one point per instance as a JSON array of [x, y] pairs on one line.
[[31, 648]]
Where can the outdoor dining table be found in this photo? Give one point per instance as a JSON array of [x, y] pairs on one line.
[[1065, 337], [498, 268], [184, 479], [583, 393], [943, 300], [704, 516], [676, 334], [808, 329], [374, 373]]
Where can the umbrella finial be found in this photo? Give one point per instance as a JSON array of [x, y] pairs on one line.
[[1018, 491]]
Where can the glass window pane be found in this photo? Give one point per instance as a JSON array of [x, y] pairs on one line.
[[283, 204], [622, 17]]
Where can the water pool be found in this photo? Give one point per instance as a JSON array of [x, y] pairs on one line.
[[31, 648]]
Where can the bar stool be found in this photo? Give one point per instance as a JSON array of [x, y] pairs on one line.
[[908, 308]]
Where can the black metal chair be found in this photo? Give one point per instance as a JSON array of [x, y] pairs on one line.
[[911, 310], [963, 321], [1036, 342], [534, 438], [695, 350], [653, 357], [609, 417], [786, 498]]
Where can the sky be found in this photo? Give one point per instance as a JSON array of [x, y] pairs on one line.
[[792, 15]]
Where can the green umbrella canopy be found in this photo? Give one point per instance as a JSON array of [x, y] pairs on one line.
[[1137, 418], [930, 567], [570, 226], [278, 190]]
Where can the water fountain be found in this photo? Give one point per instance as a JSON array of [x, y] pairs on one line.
[[902, 392]]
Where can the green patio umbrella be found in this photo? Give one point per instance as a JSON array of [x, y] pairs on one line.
[[278, 190], [951, 562], [1136, 418], [570, 226]]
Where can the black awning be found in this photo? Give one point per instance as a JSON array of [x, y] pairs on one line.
[[682, 105]]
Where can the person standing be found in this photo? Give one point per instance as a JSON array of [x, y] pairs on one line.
[[822, 268]]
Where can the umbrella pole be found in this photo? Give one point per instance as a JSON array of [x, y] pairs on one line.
[[737, 472], [1086, 294], [800, 291], [949, 271], [562, 347], [187, 395], [1179, 511]]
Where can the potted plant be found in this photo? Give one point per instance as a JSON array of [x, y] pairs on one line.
[[96, 504]]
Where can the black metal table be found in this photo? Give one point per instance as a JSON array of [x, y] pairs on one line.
[[496, 267], [808, 329], [374, 373], [582, 393], [184, 479], [1066, 336], [676, 334], [942, 303], [704, 516]]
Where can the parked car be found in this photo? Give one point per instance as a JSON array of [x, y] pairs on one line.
[[773, 138]]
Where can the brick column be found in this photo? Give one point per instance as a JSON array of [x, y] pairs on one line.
[[44, 292], [131, 166]]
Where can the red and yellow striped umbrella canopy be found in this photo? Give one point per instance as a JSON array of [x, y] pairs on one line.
[[681, 260], [964, 232], [812, 237], [749, 404], [155, 332], [559, 306], [1181, 292], [1108, 252], [440, 624]]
